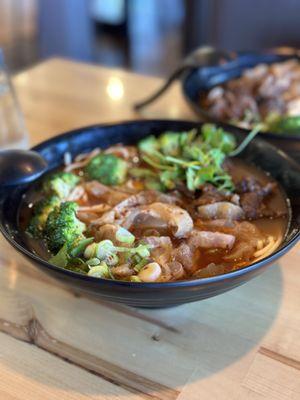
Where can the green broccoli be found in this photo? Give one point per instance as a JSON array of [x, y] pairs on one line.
[[41, 210], [60, 183], [107, 169], [62, 226], [170, 143]]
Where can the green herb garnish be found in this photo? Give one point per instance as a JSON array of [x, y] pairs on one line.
[[191, 157], [195, 159]]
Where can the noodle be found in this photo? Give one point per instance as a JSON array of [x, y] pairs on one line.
[[268, 249], [81, 160], [97, 208]]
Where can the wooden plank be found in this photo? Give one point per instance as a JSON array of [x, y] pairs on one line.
[[291, 362], [272, 378], [35, 334], [27, 372]]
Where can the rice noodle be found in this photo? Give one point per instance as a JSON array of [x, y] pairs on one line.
[[97, 208], [87, 217], [81, 160], [106, 218], [118, 151], [260, 244], [128, 153], [89, 214], [84, 156]]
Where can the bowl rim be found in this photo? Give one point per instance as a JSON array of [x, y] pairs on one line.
[[154, 285], [202, 112]]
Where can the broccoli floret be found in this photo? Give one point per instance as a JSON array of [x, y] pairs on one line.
[[60, 184], [62, 226], [107, 169], [170, 143], [41, 210]]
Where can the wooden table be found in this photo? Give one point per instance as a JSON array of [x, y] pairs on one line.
[[244, 344]]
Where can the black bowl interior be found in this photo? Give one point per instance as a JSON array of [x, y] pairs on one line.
[[198, 81], [260, 153]]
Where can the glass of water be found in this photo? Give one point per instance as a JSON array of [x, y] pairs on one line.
[[13, 134]]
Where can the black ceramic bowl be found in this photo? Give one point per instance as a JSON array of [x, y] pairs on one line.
[[262, 154], [198, 81]]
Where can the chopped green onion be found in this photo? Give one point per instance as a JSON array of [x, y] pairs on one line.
[[93, 262], [124, 236], [112, 260], [90, 251], [80, 247], [142, 250], [104, 249], [99, 271], [140, 265]]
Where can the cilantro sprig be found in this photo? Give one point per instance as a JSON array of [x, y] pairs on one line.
[[193, 157], [189, 157]]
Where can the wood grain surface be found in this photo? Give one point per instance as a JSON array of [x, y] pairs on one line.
[[55, 344]]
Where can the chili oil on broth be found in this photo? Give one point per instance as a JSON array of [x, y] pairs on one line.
[[275, 227], [277, 201], [208, 262]]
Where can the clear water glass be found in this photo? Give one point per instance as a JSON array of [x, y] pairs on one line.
[[13, 134]]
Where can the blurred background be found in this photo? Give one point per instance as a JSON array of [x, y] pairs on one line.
[[146, 36]]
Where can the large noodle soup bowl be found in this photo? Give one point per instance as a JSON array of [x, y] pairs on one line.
[[259, 153]]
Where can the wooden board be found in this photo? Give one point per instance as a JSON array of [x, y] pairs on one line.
[[55, 345]]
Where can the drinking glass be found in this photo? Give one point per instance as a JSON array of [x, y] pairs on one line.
[[13, 134]]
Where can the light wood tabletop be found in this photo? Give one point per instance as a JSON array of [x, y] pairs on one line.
[[244, 344]]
